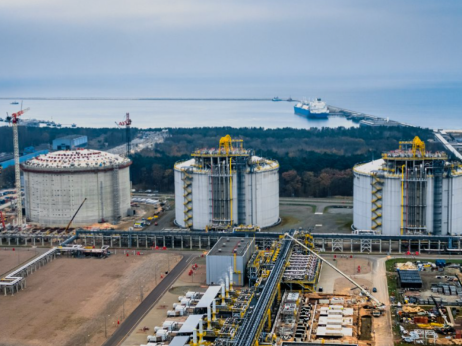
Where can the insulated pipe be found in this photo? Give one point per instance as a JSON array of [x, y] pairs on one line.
[[227, 286], [195, 337], [231, 279], [214, 311], [223, 294], [201, 331], [209, 318]]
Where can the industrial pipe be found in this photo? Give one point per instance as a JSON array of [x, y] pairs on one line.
[[195, 337], [231, 279], [223, 294], [227, 286], [209, 318], [214, 311], [201, 331]]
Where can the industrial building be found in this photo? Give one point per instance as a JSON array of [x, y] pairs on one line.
[[56, 184], [10, 159], [224, 187], [409, 191], [227, 260], [409, 279], [70, 142]]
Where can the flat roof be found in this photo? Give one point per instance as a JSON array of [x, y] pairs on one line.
[[208, 297], [179, 340], [409, 276], [190, 324], [225, 246], [69, 137]]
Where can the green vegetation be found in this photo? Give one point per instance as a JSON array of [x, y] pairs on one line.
[[313, 162]]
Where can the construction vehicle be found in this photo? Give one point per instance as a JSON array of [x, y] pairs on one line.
[[378, 305]]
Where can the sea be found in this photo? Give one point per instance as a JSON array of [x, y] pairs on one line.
[[436, 107]]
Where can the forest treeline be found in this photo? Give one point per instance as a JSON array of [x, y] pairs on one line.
[[99, 138], [313, 162]]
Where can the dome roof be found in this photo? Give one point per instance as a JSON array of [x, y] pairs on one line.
[[77, 159]]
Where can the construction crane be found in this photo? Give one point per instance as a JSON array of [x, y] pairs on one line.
[[14, 118], [127, 122], [73, 217], [379, 304]]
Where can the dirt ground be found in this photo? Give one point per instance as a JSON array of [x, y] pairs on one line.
[[350, 265], [65, 302], [10, 259], [158, 314]]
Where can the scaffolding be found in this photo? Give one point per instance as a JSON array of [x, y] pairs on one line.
[[116, 197], [377, 187], [187, 188]]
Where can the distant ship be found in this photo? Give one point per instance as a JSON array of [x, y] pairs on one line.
[[14, 103], [318, 109], [313, 109], [302, 108], [276, 99], [74, 125], [289, 99]]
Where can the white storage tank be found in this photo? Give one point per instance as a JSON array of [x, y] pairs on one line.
[[225, 187], [56, 184], [408, 191]]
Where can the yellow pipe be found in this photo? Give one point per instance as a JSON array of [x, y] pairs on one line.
[[231, 188], [269, 319], [402, 199], [238, 272]]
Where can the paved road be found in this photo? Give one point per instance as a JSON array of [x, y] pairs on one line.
[[135, 317]]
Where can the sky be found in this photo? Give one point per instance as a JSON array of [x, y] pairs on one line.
[[186, 47]]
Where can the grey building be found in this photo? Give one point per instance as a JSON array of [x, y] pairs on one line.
[[229, 255], [70, 142]]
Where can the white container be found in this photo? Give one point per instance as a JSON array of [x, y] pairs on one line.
[[190, 294]]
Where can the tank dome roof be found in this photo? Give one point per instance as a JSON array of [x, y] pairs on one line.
[[76, 159]]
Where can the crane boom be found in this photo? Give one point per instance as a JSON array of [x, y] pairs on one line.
[[73, 217], [366, 293]]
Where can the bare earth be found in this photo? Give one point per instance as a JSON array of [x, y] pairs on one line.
[[10, 259], [65, 302]]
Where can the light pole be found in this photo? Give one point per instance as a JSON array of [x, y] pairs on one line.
[[105, 325], [123, 308]]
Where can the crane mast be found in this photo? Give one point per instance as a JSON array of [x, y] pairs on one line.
[[127, 122], [17, 172]]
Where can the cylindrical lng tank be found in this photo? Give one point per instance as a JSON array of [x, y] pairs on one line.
[[382, 196], [254, 199], [262, 206], [57, 183]]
